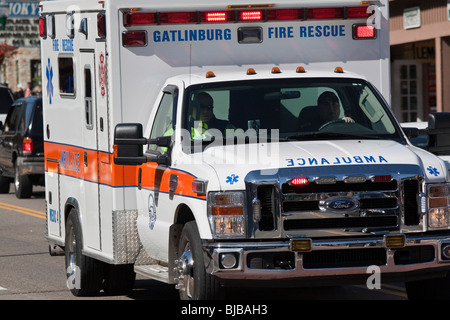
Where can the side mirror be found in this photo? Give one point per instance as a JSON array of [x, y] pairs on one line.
[[129, 141], [439, 133]]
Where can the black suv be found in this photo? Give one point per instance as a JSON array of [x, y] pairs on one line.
[[22, 147]]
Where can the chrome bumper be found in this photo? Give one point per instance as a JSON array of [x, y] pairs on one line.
[[420, 253]]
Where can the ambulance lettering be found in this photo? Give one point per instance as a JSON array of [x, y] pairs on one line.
[[191, 35], [66, 45], [69, 160], [322, 31], [335, 161]]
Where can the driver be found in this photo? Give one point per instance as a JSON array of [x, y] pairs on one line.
[[327, 110]]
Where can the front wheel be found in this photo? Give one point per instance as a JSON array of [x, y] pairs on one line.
[[84, 274], [194, 283]]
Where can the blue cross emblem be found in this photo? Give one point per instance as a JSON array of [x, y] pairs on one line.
[[433, 171], [232, 179], [49, 74]]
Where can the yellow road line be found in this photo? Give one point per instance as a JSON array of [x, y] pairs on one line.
[[30, 212]]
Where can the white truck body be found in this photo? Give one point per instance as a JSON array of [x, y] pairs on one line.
[[110, 63]]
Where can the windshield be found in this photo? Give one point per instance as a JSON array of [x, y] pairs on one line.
[[289, 109]]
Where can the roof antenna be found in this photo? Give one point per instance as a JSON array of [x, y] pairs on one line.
[[190, 63]]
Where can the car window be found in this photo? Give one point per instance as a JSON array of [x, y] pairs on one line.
[[12, 117], [36, 126], [6, 100]]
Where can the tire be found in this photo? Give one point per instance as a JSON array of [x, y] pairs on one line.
[[194, 282], [119, 279], [22, 185], [429, 289], [84, 274]]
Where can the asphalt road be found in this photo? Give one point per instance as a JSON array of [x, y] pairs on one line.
[[28, 272]]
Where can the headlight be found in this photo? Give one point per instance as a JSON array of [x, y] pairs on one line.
[[226, 214], [438, 210]]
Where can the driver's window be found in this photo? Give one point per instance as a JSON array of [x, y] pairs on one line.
[[164, 121]]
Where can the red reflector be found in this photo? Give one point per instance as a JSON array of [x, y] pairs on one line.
[[364, 32], [27, 146], [254, 15], [285, 14], [325, 13], [386, 178], [138, 18], [135, 39], [299, 181], [357, 13], [178, 17], [42, 27]]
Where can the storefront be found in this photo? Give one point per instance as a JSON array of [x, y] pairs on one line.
[[420, 56], [22, 31]]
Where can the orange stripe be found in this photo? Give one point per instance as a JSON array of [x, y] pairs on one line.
[[69, 160]]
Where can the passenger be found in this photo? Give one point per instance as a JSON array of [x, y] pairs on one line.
[[312, 118]]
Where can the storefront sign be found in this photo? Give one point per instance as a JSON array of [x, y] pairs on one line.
[[411, 18], [22, 25]]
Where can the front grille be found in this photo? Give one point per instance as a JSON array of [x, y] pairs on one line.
[[368, 203], [376, 206], [341, 223], [340, 186]]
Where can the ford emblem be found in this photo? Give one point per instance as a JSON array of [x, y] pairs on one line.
[[342, 205]]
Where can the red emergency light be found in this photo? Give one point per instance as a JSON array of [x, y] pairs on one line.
[[325, 13], [252, 15], [364, 31], [299, 181], [178, 17], [138, 18], [358, 12], [42, 27], [101, 25], [285, 14], [219, 16], [134, 39], [385, 178]]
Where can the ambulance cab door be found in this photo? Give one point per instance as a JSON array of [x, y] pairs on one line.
[[90, 157]]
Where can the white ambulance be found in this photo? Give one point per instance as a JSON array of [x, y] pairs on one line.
[[210, 143]]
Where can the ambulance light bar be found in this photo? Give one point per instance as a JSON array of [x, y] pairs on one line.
[[134, 17]]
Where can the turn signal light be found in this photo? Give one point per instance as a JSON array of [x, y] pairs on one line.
[[300, 245], [394, 241]]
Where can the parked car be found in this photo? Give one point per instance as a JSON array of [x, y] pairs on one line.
[[6, 100], [22, 147]]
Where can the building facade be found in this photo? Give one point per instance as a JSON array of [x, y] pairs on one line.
[[22, 31], [420, 58]]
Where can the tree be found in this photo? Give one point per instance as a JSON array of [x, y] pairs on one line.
[[6, 51]]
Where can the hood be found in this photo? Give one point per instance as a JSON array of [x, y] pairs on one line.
[[233, 163]]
